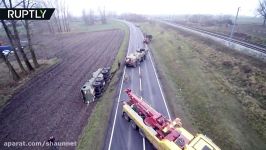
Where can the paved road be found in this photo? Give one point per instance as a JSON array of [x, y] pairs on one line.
[[145, 83]]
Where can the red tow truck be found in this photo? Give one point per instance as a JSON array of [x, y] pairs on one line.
[[162, 133]]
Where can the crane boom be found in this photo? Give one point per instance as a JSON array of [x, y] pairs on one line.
[[163, 133], [163, 126]]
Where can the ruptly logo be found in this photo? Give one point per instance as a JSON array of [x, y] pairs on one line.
[[26, 14]]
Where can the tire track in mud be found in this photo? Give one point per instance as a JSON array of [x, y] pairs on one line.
[[102, 55], [84, 72], [51, 103], [43, 81], [72, 59]]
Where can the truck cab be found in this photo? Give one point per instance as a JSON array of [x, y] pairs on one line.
[[135, 58], [201, 142], [132, 59], [142, 52], [94, 87], [88, 92]]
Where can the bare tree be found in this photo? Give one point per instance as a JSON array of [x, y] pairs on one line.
[[91, 17], [10, 38], [43, 3], [65, 16], [103, 15], [14, 74], [88, 18], [57, 16], [262, 10], [16, 34], [61, 15], [10, 67], [111, 14], [19, 46], [26, 4], [85, 17]]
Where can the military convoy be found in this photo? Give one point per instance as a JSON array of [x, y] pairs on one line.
[[95, 86], [134, 59]]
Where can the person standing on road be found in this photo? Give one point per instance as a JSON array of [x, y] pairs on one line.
[[126, 78]]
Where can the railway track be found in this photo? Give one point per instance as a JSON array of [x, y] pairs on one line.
[[259, 48]]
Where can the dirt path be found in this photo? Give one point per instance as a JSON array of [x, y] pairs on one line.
[[50, 104]]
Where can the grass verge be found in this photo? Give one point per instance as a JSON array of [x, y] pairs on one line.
[[93, 135], [213, 86], [80, 26]]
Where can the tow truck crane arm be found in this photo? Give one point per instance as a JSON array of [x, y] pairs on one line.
[[160, 131]]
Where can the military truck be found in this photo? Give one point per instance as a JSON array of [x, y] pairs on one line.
[[135, 58], [132, 60], [147, 39], [95, 86], [142, 52]]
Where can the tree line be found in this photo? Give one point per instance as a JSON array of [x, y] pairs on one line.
[[89, 18], [262, 10], [58, 23]]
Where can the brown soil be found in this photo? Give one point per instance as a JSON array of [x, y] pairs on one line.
[[50, 104]]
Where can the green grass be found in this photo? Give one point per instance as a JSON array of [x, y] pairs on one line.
[[202, 88], [93, 136], [80, 26], [253, 33]]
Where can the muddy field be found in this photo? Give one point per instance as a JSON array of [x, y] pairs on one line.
[[50, 104]]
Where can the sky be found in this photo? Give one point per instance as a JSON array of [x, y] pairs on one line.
[[167, 7]]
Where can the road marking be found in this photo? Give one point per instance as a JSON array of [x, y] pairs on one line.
[[110, 143], [112, 133], [160, 87], [139, 71], [140, 85], [143, 139]]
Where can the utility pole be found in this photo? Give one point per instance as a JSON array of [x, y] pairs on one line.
[[233, 29]]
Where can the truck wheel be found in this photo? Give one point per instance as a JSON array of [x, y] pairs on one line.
[[99, 79], [96, 84], [105, 71], [141, 133], [107, 68], [133, 125], [126, 117]]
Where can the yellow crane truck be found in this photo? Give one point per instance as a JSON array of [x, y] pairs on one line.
[[163, 133]]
